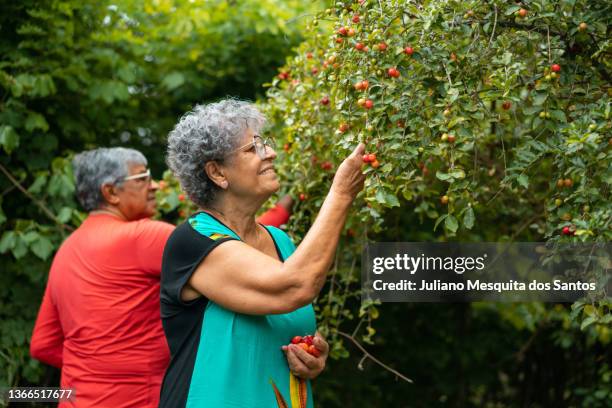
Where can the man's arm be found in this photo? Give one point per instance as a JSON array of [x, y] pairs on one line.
[[47, 342], [278, 215]]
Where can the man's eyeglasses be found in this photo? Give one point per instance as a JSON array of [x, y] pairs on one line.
[[260, 145], [146, 176]]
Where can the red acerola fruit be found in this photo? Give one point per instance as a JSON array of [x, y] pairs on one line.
[[181, 197], [302, 197], [355, 19], [307, 339], [342, 31], [566, 231], [382, 46], [312, 350], [359, 46], [343, 127], [368, 104], [451, 138], [325, 101], [506, 105], [522, 12], [296, 340], [408, 51], [393, 72], [555, 67]]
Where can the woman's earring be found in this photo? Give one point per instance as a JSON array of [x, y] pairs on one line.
[[224, 184]]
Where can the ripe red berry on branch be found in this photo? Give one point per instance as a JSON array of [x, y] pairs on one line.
[[368, 104], [355, 19], [555, 67], [408, 50], [325, 101], [393, 72]]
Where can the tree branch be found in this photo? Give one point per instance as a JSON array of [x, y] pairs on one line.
[[371, 357], [38, 203]]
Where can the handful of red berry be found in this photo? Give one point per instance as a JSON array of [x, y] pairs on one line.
[[307, 344]]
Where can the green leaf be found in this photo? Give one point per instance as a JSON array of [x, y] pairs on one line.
[[540, 98], [443, 176], [64, 214], [559, 115], [173, 80], [7, 242], [587, 322], [36, 121], [9, 139], [19, 249], [42, 247], [439, 220], [523, 180], [387, 199], [511, 10], [38, 184], [451, 223], [468, 218]]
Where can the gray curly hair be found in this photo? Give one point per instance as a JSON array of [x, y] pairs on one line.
[[105, 165], [208, 132]]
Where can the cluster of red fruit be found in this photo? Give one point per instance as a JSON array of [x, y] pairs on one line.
[[371, 160], [362, 85], [306, 343], [283, 75], [568, 182], [326, 165], [365, 103], [568, 231], [393, 72]]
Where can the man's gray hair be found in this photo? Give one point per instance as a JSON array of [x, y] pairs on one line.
[[208, 132], [93, 168]]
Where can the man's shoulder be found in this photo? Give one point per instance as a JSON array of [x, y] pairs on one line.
[[149, 225]]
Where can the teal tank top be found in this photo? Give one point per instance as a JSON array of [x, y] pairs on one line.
[[239, 361]]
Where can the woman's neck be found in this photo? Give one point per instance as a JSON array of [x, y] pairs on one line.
[[239, 217]]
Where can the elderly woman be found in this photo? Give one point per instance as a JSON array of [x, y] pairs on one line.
[[233, 291]]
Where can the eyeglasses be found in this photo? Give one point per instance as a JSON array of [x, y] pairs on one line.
[[146, 176], [260, 145]]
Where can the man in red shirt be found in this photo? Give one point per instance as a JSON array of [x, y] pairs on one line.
[[99, 320]]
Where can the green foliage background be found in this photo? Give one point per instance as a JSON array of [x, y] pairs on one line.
[[76, 75]]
